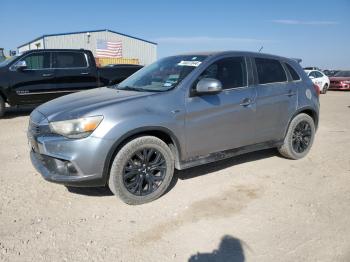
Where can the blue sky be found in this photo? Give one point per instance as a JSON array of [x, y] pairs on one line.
[[316, 31]]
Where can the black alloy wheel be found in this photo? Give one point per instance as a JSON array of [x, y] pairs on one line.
[[301, 138], [144, 172]]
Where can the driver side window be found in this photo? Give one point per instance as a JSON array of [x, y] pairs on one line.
[[38, 61], [231, 72]]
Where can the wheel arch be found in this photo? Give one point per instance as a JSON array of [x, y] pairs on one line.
[[306, 110], [162, 133], [3, 96]]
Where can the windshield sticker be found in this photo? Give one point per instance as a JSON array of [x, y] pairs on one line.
[[189, 63]]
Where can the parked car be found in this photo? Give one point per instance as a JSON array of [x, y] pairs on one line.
[[312, 68], [319, 79], [340, 81], [180, 112], [38, 76], [330, 73]]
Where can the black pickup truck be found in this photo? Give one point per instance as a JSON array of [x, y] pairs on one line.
[[38, 76]]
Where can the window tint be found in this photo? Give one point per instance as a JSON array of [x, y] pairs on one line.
[[38, 61], [313, 74], [70, 60], [292, 72], [318, 74], [230, 71], [270, 71]]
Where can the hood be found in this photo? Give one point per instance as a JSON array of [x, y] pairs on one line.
[[78, 104], [334, 78]]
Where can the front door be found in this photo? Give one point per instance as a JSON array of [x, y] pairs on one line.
[[34, 84], [222, 121]]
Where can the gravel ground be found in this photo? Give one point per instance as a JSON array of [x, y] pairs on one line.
[[255, 207]]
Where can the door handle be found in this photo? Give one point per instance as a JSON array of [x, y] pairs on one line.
[[245, 102], [84, 73], [46, 75], [291, 93]]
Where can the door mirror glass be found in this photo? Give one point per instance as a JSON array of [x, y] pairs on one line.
[[208, 85], [21, 65]]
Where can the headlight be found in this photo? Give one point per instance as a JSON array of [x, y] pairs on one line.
[[76, 128], [346, 82]]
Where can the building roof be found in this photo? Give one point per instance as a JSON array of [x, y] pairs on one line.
[[84, 32]]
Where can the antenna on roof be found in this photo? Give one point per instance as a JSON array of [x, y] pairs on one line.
[[261, 48]]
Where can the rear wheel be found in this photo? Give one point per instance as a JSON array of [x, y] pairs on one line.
[[2, 106], [325, 89], [142, 170], [299, 138]]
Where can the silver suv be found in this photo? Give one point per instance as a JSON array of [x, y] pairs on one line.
[[180, 112]]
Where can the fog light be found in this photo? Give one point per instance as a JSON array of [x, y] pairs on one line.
[[71, 170]]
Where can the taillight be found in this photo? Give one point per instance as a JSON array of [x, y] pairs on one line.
[[317, 89]]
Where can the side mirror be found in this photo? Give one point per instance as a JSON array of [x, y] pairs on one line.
[[20, 65], [208, 86], [311, 77]]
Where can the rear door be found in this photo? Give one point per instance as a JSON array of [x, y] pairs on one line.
[[73, 72], [33, 85], [276, 99], [218, 122]]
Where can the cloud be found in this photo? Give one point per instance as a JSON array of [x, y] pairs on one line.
[[207, 39], [301, 22]]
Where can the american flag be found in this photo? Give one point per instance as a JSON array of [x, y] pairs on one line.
[[109, 49]]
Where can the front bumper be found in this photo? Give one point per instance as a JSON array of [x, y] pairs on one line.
[[72, 162]]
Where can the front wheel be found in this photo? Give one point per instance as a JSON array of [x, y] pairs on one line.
[[299, 138], [142, 170], [2, 106]]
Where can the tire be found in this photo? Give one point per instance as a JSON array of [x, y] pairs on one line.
[[325, 89], [132, 174], [2, 107], [299, 137]]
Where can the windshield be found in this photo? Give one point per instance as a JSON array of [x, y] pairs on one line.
[[162, 75], [343, 74], [7, 61]]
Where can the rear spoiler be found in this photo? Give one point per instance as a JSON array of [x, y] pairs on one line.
[[299, 60]]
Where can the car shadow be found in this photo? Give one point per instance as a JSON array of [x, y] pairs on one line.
[[222, 164], [230, 250], [90, 191], [185, 174]]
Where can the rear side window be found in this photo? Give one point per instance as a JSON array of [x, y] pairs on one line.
[[38, 61], [318, 74], [70, 60], [270, 71], [313, 74], [231, 72], [292, 72]]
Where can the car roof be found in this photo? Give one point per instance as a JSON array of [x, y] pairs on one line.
[[236, 52]]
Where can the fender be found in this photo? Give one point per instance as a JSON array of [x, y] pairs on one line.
[[138, 131], [307, 110]]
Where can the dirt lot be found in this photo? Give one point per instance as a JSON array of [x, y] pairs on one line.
[[256, 207]]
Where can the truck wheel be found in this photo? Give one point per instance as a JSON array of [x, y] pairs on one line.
[[142, 170], [299, 138], [2, 106]]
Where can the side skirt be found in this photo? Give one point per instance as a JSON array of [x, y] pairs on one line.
[[213, 157]]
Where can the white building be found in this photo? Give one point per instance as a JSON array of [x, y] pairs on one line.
[[132, 47]]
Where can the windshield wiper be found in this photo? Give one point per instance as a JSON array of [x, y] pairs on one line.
[[131, 88]]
